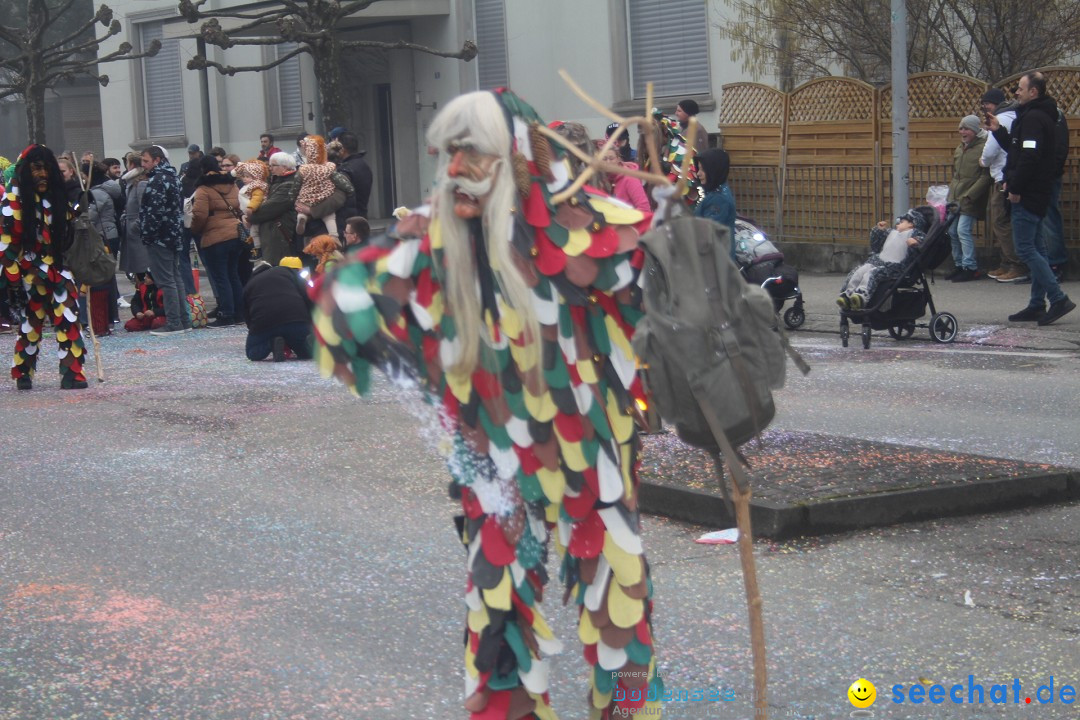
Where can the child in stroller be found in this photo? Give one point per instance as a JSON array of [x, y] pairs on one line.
[[761, 263], [890, 252]]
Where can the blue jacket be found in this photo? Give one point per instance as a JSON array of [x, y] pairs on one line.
[[719, 206], [161, 212]]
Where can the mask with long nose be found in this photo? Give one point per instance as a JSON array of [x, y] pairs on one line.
[[472, 175]]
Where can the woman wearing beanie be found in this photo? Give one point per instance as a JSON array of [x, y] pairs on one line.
[[969, 189]]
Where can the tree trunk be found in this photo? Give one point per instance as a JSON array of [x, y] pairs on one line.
[[326, 55], [35, 115]]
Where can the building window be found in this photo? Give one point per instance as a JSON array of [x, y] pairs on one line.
[[290, 105], [162, 85], [491, 64], [669, 46]]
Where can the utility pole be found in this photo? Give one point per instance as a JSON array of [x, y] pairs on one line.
[[900, 162]]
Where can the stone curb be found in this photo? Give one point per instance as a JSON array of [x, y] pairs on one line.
[[779, 520]]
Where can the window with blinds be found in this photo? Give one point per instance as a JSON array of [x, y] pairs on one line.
[[290, 100], [669, 46], [491, 63], [162, 92]]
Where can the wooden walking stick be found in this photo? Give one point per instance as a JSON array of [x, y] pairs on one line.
[[93, 335]]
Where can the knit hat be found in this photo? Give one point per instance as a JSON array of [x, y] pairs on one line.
[[291, 262], [690, 107], [914, 217], [970, 122], [993, 95]]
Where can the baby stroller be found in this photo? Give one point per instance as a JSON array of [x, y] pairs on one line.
[[897, 305], [762, 264]]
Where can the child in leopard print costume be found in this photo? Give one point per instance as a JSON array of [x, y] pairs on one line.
[[317, 183]]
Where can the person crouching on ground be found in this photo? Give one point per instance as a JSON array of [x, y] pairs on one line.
[[890, 250], [147, 305], [278, 311]]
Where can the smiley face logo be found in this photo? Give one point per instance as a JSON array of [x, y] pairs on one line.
[[862, 693]]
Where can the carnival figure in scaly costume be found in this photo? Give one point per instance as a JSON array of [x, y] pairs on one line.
[[671, 147], [34, 215], [516, 315]]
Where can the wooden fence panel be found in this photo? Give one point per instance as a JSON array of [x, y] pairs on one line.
[[815, 165]]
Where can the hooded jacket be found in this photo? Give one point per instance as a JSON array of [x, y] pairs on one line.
[[161, 212], [970, 181], [1031, 164], [212, 220]]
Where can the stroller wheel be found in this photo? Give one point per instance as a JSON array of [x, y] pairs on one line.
[[902, 331], [866, 337], [845, 333], [943, 328], [794, 317]]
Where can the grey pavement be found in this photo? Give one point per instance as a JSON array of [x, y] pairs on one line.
[[205, 537]]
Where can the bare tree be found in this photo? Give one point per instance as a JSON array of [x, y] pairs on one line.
[[987, 39], [35, 57], [312, 25]]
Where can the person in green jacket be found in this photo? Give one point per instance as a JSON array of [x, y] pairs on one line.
[[969, 188]]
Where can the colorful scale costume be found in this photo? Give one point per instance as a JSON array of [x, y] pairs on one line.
[[547, 446], [673, 154], [50, 289]]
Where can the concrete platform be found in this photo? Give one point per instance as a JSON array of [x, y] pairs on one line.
[[810, 484]]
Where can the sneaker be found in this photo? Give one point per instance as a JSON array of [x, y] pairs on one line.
[[967, 275], [24, 383], [1014, 276], [222, 321], [856, 301], [212, 315], [997, 272], [279, 349], [168, 331], [953, 275], [122, 302], [1028, 314], [843, 302], [1057, 310]]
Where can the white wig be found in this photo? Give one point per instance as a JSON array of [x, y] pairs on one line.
[[477, 119], [284, 159]]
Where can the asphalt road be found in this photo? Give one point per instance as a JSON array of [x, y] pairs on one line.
[[203, 537]]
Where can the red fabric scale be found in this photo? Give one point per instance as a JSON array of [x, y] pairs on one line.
[[524, 610], [550, 259], [536, 210], [590, 654], [569, 427], [486, 384], [470, 504], [582, 505], [529, 462], [494, 545], [587, 536], [425, 287], [604, 243]]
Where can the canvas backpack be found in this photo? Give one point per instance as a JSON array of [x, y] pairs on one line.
[[85, 255], [711, 341]]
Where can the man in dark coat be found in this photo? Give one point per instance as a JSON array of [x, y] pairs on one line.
[[359, 174], [161, 226], [278, 311], [1030, 172]]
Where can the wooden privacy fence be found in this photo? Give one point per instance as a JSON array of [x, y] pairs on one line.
[[815, 165]]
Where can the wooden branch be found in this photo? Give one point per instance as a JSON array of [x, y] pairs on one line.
[[650, 137], [467, 52], [190, 11], [593, 163], [590, 101], [199, 62]]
